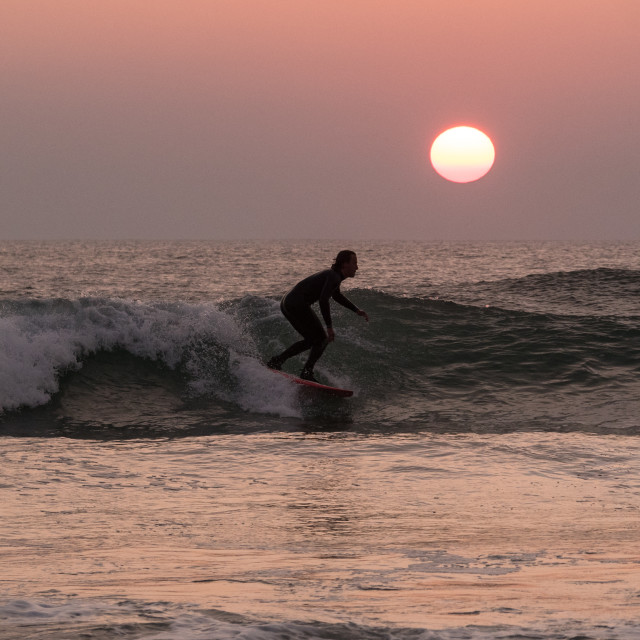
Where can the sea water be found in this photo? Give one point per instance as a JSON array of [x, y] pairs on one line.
[[157, 481]]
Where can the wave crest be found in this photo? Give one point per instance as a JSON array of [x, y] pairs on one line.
[[43, 340]]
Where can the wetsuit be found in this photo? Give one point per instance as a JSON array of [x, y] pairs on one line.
[[296, 308]]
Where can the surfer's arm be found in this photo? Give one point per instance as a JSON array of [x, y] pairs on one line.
[[345, 302]]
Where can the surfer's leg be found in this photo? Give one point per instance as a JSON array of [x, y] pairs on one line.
[[298, 347], [315, 334], [316, 351], [307, 324]]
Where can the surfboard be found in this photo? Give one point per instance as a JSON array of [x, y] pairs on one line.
[[335, 391]]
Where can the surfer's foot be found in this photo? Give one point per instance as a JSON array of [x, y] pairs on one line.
[[275, 363], [307, 374]]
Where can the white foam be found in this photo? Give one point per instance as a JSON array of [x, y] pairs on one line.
[[29, 362], [263, 390], [39, 342]]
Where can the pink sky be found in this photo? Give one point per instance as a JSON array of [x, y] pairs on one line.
[[314, 118]]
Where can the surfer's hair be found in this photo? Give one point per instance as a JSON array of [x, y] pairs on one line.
[[342, 257]]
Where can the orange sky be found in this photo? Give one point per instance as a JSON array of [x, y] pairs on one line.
[[226, 119]]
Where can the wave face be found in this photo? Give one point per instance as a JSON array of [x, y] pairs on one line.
[[97, 363], [61, 348]]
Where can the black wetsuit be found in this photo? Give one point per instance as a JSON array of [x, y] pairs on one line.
[[296, 307]]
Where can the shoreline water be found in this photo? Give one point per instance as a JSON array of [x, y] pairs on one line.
[[396, 533]]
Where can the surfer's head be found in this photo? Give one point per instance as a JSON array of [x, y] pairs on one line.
[[346, 263]]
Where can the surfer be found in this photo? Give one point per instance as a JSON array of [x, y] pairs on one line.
[[296, 308]]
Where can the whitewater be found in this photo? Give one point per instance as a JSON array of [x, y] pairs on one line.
[[158, 481]]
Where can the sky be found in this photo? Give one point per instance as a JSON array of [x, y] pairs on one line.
[[296, 119]]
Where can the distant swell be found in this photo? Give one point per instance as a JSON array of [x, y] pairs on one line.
[[585, 292], [515, 347]]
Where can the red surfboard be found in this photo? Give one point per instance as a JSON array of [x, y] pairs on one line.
[[336, 391]]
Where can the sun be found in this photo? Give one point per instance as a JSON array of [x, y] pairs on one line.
[[462, 154]]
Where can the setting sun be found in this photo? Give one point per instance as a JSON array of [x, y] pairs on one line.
[[462, 154]]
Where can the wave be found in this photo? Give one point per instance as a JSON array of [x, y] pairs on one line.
[[416, 357], [166, 620], [517, 346], [585, 292], [43, 341], [626, 281]]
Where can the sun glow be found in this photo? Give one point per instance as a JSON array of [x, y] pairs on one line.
[[462, 154]]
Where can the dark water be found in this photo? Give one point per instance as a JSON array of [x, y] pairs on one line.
[[492, 434]]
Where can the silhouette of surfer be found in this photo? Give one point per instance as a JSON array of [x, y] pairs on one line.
[[296, 308]]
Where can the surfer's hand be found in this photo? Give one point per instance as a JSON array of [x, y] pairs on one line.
[[331, 334], [362, 313]]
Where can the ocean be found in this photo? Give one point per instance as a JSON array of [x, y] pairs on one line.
[[158, 482]]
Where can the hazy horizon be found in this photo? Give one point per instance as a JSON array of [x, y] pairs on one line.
[[282, 120]]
